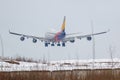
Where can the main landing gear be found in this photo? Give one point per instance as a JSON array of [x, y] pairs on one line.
[[53, 44]]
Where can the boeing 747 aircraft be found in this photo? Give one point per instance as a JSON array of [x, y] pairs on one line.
[[59, 38]]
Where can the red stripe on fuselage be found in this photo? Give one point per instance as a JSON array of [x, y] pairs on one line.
[[56, 37]]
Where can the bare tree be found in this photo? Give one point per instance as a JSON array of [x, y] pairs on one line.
[[111, 51]]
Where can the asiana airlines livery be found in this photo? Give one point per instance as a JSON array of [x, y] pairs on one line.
[[59, 38]]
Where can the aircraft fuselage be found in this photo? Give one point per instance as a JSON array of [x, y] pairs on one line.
[[56, 37]]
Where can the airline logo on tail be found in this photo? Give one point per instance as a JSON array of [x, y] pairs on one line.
[[63, 25]]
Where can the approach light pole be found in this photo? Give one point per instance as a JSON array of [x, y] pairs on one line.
[[2, 47], [93, 46]]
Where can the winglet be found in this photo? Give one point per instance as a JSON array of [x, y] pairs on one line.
[[10, 32], [63, 25]]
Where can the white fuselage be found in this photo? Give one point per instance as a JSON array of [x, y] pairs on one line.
[[49, 36]]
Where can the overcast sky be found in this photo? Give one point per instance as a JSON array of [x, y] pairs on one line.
[[35, 17]]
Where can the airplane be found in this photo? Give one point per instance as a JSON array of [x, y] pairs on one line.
[[60, 38]]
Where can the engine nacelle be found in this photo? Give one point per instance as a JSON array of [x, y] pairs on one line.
[[72, 41], [22, 38], [89, 38], [34, 40]]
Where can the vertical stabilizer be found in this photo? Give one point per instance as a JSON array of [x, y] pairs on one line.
[[63, 25]]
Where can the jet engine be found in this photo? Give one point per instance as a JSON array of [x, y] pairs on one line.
[[72, 41], [22, 38], [89, 38], [34, 40]]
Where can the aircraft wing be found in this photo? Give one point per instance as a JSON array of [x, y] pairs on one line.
[[89, 35], [29, 36], [82, 36]]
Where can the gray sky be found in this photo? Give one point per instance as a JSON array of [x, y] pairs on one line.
[[35, 17]]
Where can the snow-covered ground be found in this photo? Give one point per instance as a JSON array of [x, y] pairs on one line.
[[62, 65]]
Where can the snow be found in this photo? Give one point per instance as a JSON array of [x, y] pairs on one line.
[[61, 65]]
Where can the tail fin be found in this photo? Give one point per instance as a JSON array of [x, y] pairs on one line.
[[63, 25]]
